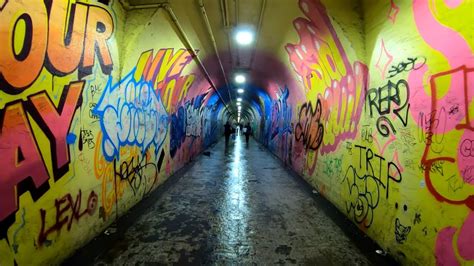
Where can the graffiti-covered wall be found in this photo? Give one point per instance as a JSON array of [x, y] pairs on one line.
[[384, 130], [370, 101], [94, 115]]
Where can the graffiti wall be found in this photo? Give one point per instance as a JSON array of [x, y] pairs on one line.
[[85, 132], [385, 132], [99, 106]]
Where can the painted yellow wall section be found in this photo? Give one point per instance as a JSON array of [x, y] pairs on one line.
[[386, 131]]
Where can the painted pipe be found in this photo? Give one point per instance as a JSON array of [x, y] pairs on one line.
[[190, 48], [166, 5], [214, 43], [229, 33], [236, 11], [129, 7], [259, 27]]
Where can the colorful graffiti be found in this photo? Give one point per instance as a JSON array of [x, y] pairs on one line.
[[163, 72], [406, 129], [309, 129], [131, 114], [88, 32], [87, 130], [322, 64], [281, 126], [22, 157], [67, 211], [72, 120]]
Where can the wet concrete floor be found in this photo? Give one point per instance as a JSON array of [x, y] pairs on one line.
[[238, 206]]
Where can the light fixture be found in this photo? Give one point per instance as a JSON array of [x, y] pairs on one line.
[[239, 103], [240, 90], [244, 36], [239, 99], [240, 78]]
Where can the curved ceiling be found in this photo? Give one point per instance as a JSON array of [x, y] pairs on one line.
[[265, 61]]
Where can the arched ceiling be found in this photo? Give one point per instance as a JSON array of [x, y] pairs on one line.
[[265, 61]]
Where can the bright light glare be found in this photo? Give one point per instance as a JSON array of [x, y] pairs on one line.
[[238, 104], [239, 99], [244, 37], [240, 90], [239, 78]]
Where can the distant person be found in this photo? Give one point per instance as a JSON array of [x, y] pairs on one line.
[[247, 132], [227, 132]]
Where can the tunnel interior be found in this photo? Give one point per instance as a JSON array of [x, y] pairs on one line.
[[368, 101]]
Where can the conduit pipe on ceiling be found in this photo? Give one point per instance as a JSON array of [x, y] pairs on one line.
[[191, 49], [236, 11], [259, 27], [227, 27], [187, 43], [229, 34], [128, 7], [214, 44], [225, 13]]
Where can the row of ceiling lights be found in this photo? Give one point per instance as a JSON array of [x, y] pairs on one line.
[[243, 37]]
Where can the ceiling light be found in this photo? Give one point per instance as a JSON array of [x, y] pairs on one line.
[[240, 90], [244, 37], [239, 103], [240, 78]]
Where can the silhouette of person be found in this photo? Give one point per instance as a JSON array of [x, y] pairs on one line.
[[247, 132]]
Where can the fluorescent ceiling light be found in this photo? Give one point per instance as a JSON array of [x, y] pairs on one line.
[[244, 37], [239, 99], [239, 103], [240, 78], [240, 90]]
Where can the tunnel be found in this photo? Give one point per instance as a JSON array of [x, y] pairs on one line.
[[236, 132]]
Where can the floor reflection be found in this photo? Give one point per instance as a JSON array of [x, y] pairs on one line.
[[234, 213]]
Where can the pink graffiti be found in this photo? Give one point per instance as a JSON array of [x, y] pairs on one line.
[[465, 246], [385, 145], [20, 157], [445, 253], [442, 39], [444, 247], [453, 3], [393, 12], [459, 94], [466, 156], [322, 64], [384, 60]]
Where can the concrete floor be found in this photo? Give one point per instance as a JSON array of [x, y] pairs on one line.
[[236, 206]]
